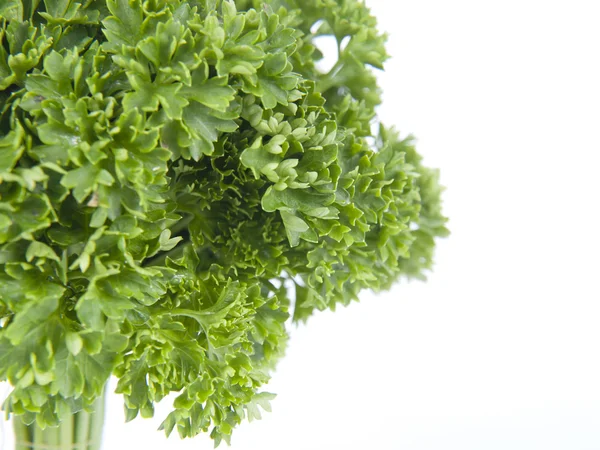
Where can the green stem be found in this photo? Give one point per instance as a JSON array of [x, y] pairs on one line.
[[21, 434], [329, 80], [66, 434], [181, 225], [39, 437], [97, 426], [82, 431]]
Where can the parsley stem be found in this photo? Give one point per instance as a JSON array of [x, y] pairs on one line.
[[39, 440], [66, 434], [329, 80], [181, 225], [82, 427], [81, 431], [97, 422], [21, 434]]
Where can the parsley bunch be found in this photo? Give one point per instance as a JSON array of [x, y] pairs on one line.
[[177, 178]]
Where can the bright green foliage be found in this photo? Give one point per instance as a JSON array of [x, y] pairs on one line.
[[169, 170]]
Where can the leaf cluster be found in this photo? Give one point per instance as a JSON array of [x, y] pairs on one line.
[[177, 179]]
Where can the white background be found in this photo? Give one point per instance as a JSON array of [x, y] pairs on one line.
[[500, 348]]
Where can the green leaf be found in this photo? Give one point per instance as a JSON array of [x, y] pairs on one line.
[[74, 343], [172, 103], [40, 250], [70, 380], [11, 149], [54, 132], [124, 25], [11, 10], [263, 400], [144, 100], [30, 317], [296, 228], [57, 8], [86, 179], [90, 313], [297, 199], [205, 128], [214, 93]]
